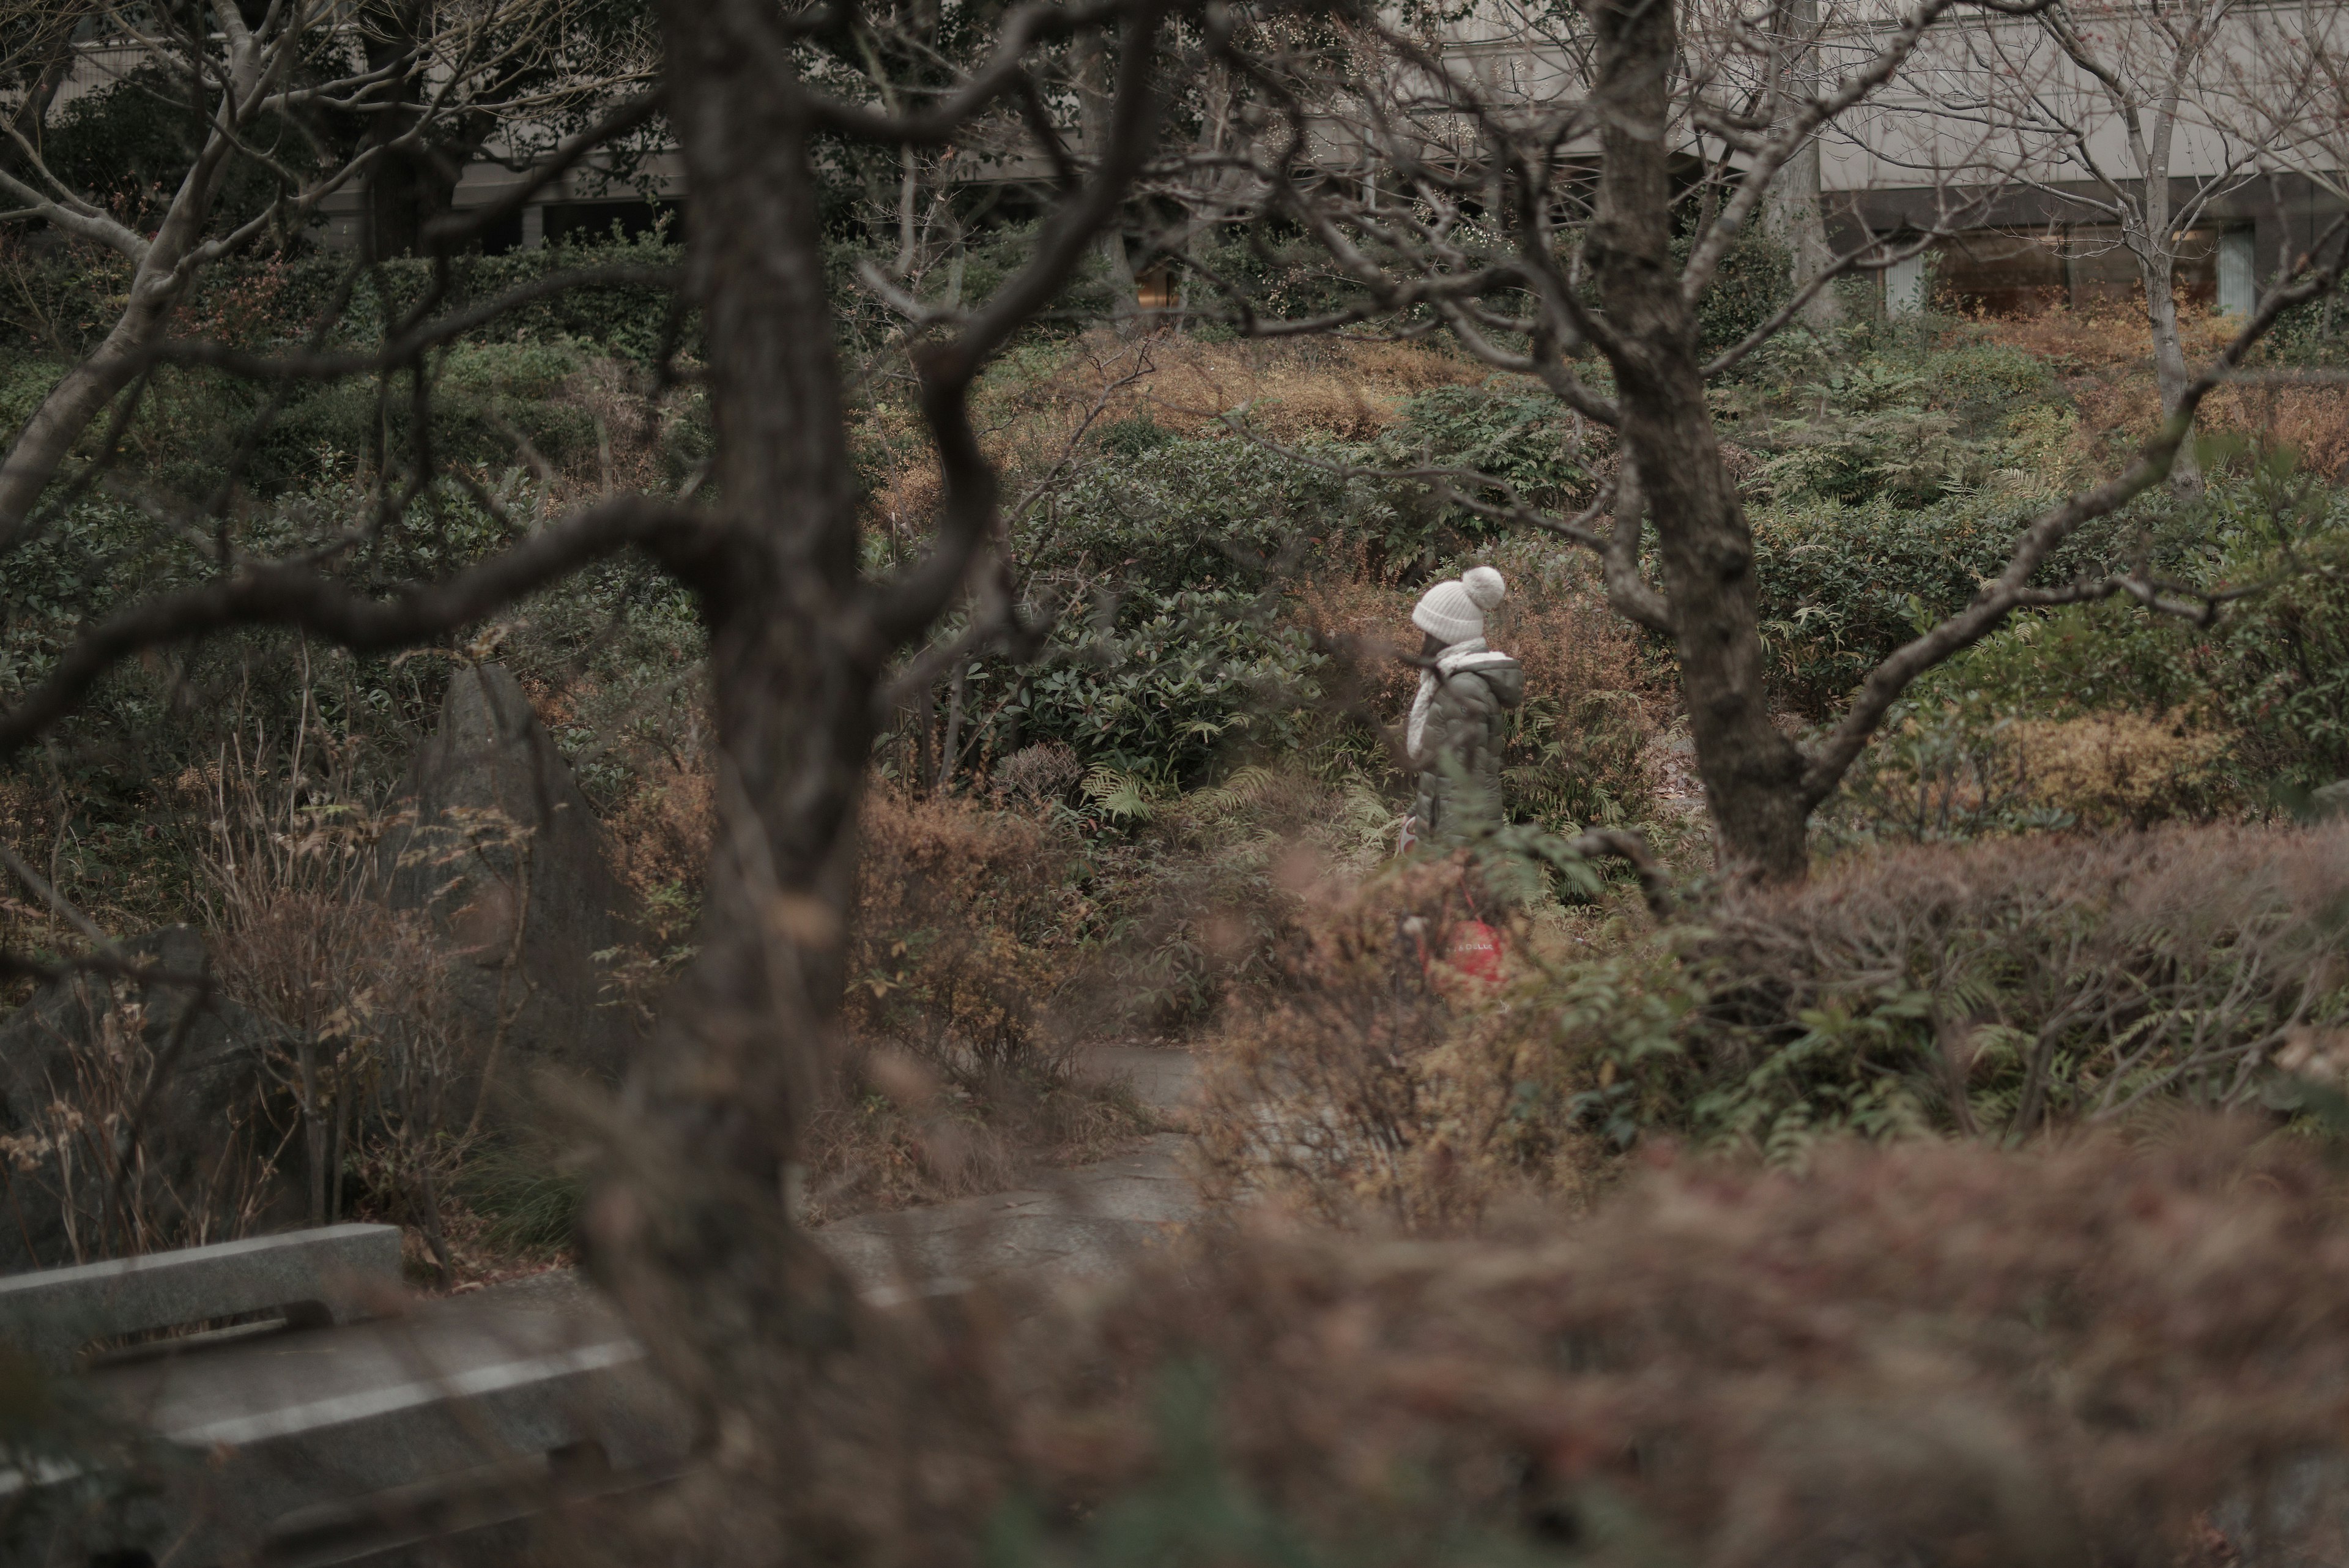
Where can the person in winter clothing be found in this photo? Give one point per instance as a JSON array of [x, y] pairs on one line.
[[1454, 736]]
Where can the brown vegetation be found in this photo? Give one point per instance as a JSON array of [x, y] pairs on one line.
[[1940, 1353], [2102, 353], [1291, 390], [1378, 1078]]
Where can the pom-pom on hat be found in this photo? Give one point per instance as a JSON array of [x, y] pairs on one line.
[[1454, 611]]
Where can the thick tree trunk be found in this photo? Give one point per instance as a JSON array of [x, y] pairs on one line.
[[410, 186], [1094, 121], [1804, 232], [1795, 195], [697, 1239], [1752, 772]]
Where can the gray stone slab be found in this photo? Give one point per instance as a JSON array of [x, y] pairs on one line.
[[1091, 1221], [254, 1440], [1165, 1078], [333, 1274]]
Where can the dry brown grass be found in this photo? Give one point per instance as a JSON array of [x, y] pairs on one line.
[[2122, 770], [1334, 387], [2107, 358], [2314, 421], [1351, 391], [660, 836], [2108, 334]]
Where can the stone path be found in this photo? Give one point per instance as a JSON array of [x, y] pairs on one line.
[[1082, 1222], [1085, 1221]]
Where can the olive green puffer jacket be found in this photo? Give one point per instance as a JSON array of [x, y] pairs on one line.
[[1459, 752]]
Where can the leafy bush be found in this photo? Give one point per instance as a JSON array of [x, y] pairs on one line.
[[1164, 689], [1991, 990], [1842, 584], [2270, 679], [1752, 284], [2003, 986], [1527, 438], [1174, 514], [1279, 272]]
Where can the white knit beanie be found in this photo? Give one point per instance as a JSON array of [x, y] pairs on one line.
[[1454, 611]]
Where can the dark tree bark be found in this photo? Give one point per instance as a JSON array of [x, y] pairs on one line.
[[1753, 773], [696, 1240]]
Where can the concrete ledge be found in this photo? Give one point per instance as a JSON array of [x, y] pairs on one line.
[[325, 1275], [298, 1450]]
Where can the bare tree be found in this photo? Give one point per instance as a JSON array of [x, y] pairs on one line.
[[695, 1234], [1580, 207], [264, 92], [2116, 115]]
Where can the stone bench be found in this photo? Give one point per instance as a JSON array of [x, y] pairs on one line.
[[311, 1277]]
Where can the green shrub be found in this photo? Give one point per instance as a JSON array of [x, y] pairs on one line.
[[1528, 440], [2272, 675], [1843, 584], [1989, 988], [1172, 514], [1752, 284], [530, 1202], [1169, 685], [1278, 271]]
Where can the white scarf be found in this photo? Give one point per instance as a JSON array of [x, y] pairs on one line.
[[1469, 655]]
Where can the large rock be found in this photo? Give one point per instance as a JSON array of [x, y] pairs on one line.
[[498, 848], [94, 1057]]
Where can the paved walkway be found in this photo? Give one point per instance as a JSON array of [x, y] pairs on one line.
[[1085, 1221]]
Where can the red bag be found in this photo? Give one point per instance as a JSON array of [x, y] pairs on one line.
[[1476, 951]]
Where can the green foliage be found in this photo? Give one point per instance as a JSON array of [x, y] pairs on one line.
[[1842, 584], [1165, 686], [1278, 271], [1973, 991], [1903, 423], [1578, 761], [1752, 284], [2274, 672], [1935, 771], [610, 630], [2316, 332], [1133, 436], [1172, 514], [1528, 440], [130, 143], [532, 1204], [1201, 1506]]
